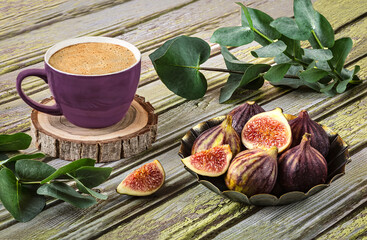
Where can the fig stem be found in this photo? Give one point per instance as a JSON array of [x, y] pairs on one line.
[[273, 152], [305, 140]]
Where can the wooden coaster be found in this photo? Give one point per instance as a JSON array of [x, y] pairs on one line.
[[57, 137]]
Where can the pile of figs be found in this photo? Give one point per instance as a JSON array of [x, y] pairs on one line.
[[256, 151]]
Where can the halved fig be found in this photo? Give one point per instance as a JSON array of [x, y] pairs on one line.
[[266, 130], [212, 162], [143, 181]]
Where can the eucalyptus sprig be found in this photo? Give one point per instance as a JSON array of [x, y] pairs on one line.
[[25, 183], [320, 67]]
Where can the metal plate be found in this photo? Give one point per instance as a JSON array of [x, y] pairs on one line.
[[337, 158]]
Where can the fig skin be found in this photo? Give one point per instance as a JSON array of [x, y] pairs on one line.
[[266, 130], [302, 167], [219, 135], [253, 171], [241, 114], [304, 124]]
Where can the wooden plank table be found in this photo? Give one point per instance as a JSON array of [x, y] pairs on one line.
[[184, 209]]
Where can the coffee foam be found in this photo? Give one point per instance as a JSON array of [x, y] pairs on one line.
[[92, 58]]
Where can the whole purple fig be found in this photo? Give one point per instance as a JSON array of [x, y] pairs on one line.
[[241, 114], [216, 136], [253, 171], [304, 124], [301, 167]]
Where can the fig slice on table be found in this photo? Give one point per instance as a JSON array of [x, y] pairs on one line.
[[266, 130], [212, 162], [143, 181]]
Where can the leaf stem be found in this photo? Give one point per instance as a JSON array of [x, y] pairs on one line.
[[328, 62], [39, 182], [317, 39], [262, 35], [304, 64], [35, 182], [237, 72], [220, 70]]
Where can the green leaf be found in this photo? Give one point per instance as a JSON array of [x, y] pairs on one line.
[[323, 31], [304, 14], [295, 70], [31, 170], [232, 63], [66, 193], [293, 47], [318, 54], [276, 73], [261, 22], [92, 176], [313, 85], [255, 84], [20, 200], [253, 72], [342, 86], [328, 88], [22, 156], [70, 168], [271, 50], [234, 81], [246, 14], [310, 20], [177, 64], [233, 36], [311, 65], [348, 77], [323, 65], [282, 58], [289, 82], [87, 190], [313, 75], [340, 50], [230, 87], [14, 142], [288, 27]]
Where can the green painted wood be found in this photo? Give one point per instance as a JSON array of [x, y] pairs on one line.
[[353, 227], [192, 210]]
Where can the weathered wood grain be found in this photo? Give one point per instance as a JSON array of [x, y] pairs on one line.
[[353, 227], [106, 21], [213, 223], [185, 209], [17, 17], [174, 171], [359, 45]]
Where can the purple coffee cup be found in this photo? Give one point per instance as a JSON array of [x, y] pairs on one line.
[[89, 101]]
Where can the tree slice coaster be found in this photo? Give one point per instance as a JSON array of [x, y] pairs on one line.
[[57, 137]]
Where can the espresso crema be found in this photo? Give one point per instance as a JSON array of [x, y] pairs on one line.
[[92, 58]]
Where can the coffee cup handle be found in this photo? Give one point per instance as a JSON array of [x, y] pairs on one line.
[[41, 73]]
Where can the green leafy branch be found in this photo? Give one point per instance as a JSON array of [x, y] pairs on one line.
[[320, 67], [25, 183]]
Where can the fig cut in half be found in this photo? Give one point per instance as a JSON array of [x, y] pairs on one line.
[[266, 130], [143, 181], [212, 162]]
